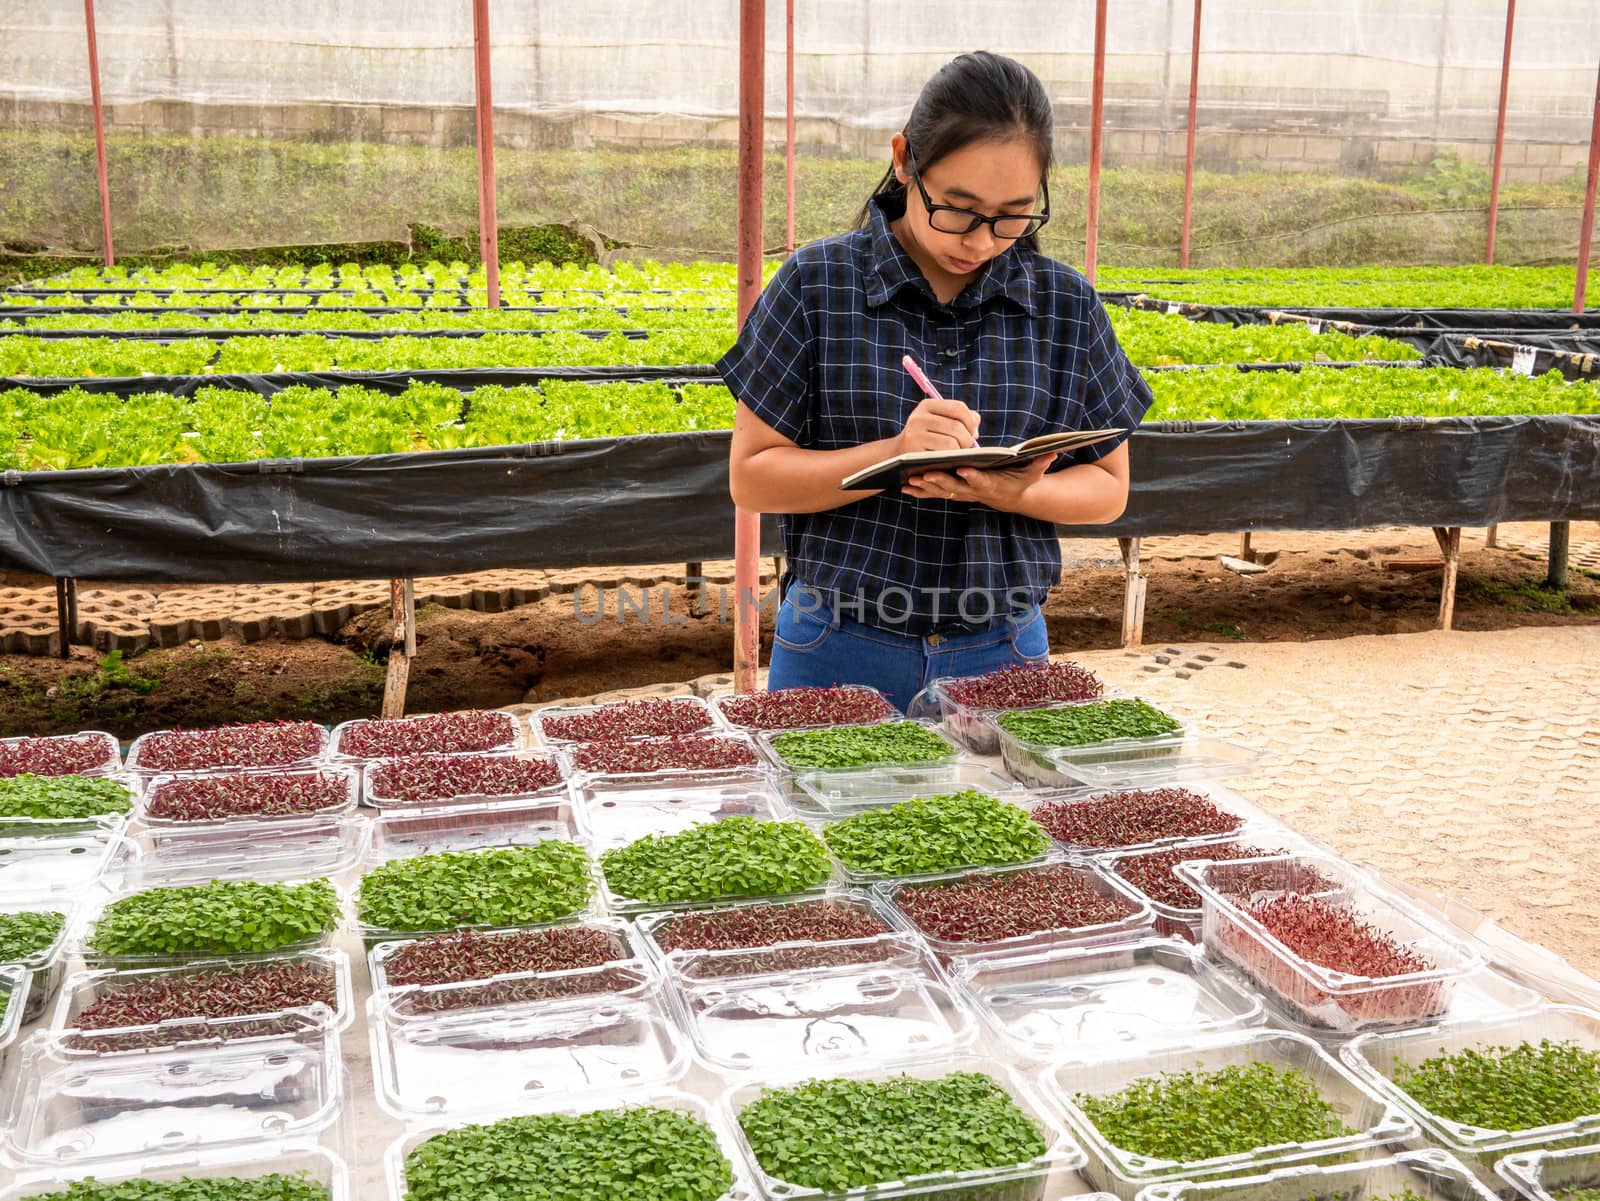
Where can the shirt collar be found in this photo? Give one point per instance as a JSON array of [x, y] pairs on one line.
[[889, 268]]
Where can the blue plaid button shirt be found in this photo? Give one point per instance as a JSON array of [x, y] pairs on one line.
[[1027, 344]]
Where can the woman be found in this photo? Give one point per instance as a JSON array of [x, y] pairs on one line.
[[945, 576]]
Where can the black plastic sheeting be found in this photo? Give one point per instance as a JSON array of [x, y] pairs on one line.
[[664, 498], [1379, 320], [1577, 357]]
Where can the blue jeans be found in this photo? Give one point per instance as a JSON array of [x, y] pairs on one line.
[[820, 648]]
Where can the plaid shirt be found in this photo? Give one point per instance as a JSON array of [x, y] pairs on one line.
[[1027, 344]]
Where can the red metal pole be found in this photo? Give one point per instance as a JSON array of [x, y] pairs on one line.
[[1188, 150], [752, 145], [483, 98], [788, 128], [1586, 235], [1500, 134], [99, 136], [1097, 112]]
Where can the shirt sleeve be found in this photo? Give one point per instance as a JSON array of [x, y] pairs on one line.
[[769, 368], [1115, 395]]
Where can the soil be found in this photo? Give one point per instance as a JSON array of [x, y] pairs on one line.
[[1316, 587]]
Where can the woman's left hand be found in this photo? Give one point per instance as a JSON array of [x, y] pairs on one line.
[[1003, 489]]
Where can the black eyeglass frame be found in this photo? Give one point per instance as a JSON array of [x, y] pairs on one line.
[[978, 219]]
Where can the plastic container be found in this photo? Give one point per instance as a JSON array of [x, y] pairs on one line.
[[721, 705], [613, 813], [317, 1164], [1430, 1175], [46, 967], [74, 1105], [13, 827], [765, 740], [432, 830], [1313, 995], [972, 725], [1031, 763], [1253, 820], [84, 989], [1123, 1171], [1551, 1175], [1138, 761], [284, 849], [479, 1061], [1136, 919], [1030, 1181], [110, 761], [1078, 1003], [15, 982], [337, 753], [843, 793], [349, 780], [395, 1157], [56, 869], [567, 756], [1373, 1057], [373, 790], [898, 945], [541, 718], [141, 749]]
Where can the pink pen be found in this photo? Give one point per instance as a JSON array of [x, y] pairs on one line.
[[923, 382]]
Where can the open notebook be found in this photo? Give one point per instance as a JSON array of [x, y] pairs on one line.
[[891, 473]]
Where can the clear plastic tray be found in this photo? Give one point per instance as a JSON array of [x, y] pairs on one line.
[[1134, 761], [1551, 1175], [1430, 1175], [1138, 918], [1122, 1170], [485, 1061], [1034, 765], [395, 1157], [350, 781], [74, 1105], [1314, 995], [765, 739], [720, 704], [1030, 1181], [372, 936], [613, 813], [84, 989], [372, 788], [56, 869], [1082, 1002], [567, 757], [836, 1016], [1374, 1056], [141, 744], [45, 968], [432, 830], [284, 849], [337, 753], [110, 763], [12, 827], [317, 1164], [15, 984], [898, 945], [1254, 821], [972, 725], [842, 793], [543, 737]]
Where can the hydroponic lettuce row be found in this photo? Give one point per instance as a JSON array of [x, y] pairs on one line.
[[821, 934], [1507, 1088], [501, 886], [222, 917], [858, 746], [245, 794], [936, 834], [1121, 819], [1372, 286], [55, 754], [212, 993], [790, 708], [641, 1154], [1024, 685], [437, 733], [845, 1134], [445, 777], [1188, 1116], [679, 752], [735, 857], [987, 908], [1081, 725], [28, 933], [627, 719], [62, 796], [255, 744], [271, 1187]]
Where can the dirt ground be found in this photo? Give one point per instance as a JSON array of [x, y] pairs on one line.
[[1317, 586]]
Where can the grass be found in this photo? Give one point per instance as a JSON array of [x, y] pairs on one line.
[[1523, 596]]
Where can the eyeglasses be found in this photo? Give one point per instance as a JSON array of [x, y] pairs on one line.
[[948, 219]]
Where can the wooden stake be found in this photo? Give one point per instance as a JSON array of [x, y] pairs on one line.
[[1450, 545], [1556, 573], [402, 645], [1132, 594]]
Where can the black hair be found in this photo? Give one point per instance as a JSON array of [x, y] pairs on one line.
[[972, 98]]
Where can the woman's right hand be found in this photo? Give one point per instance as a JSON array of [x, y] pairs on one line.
[[938, 425]]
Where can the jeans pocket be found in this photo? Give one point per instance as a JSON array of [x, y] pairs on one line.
[[800, 629], [1030, 640]]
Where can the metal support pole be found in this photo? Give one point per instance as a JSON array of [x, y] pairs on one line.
[[483, 99], [99, 137], [1500, 134], [1560, 541], [752, 128], [788, 128], [1188, 151], [1586, 234], [1097, 113], [63, 627]]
